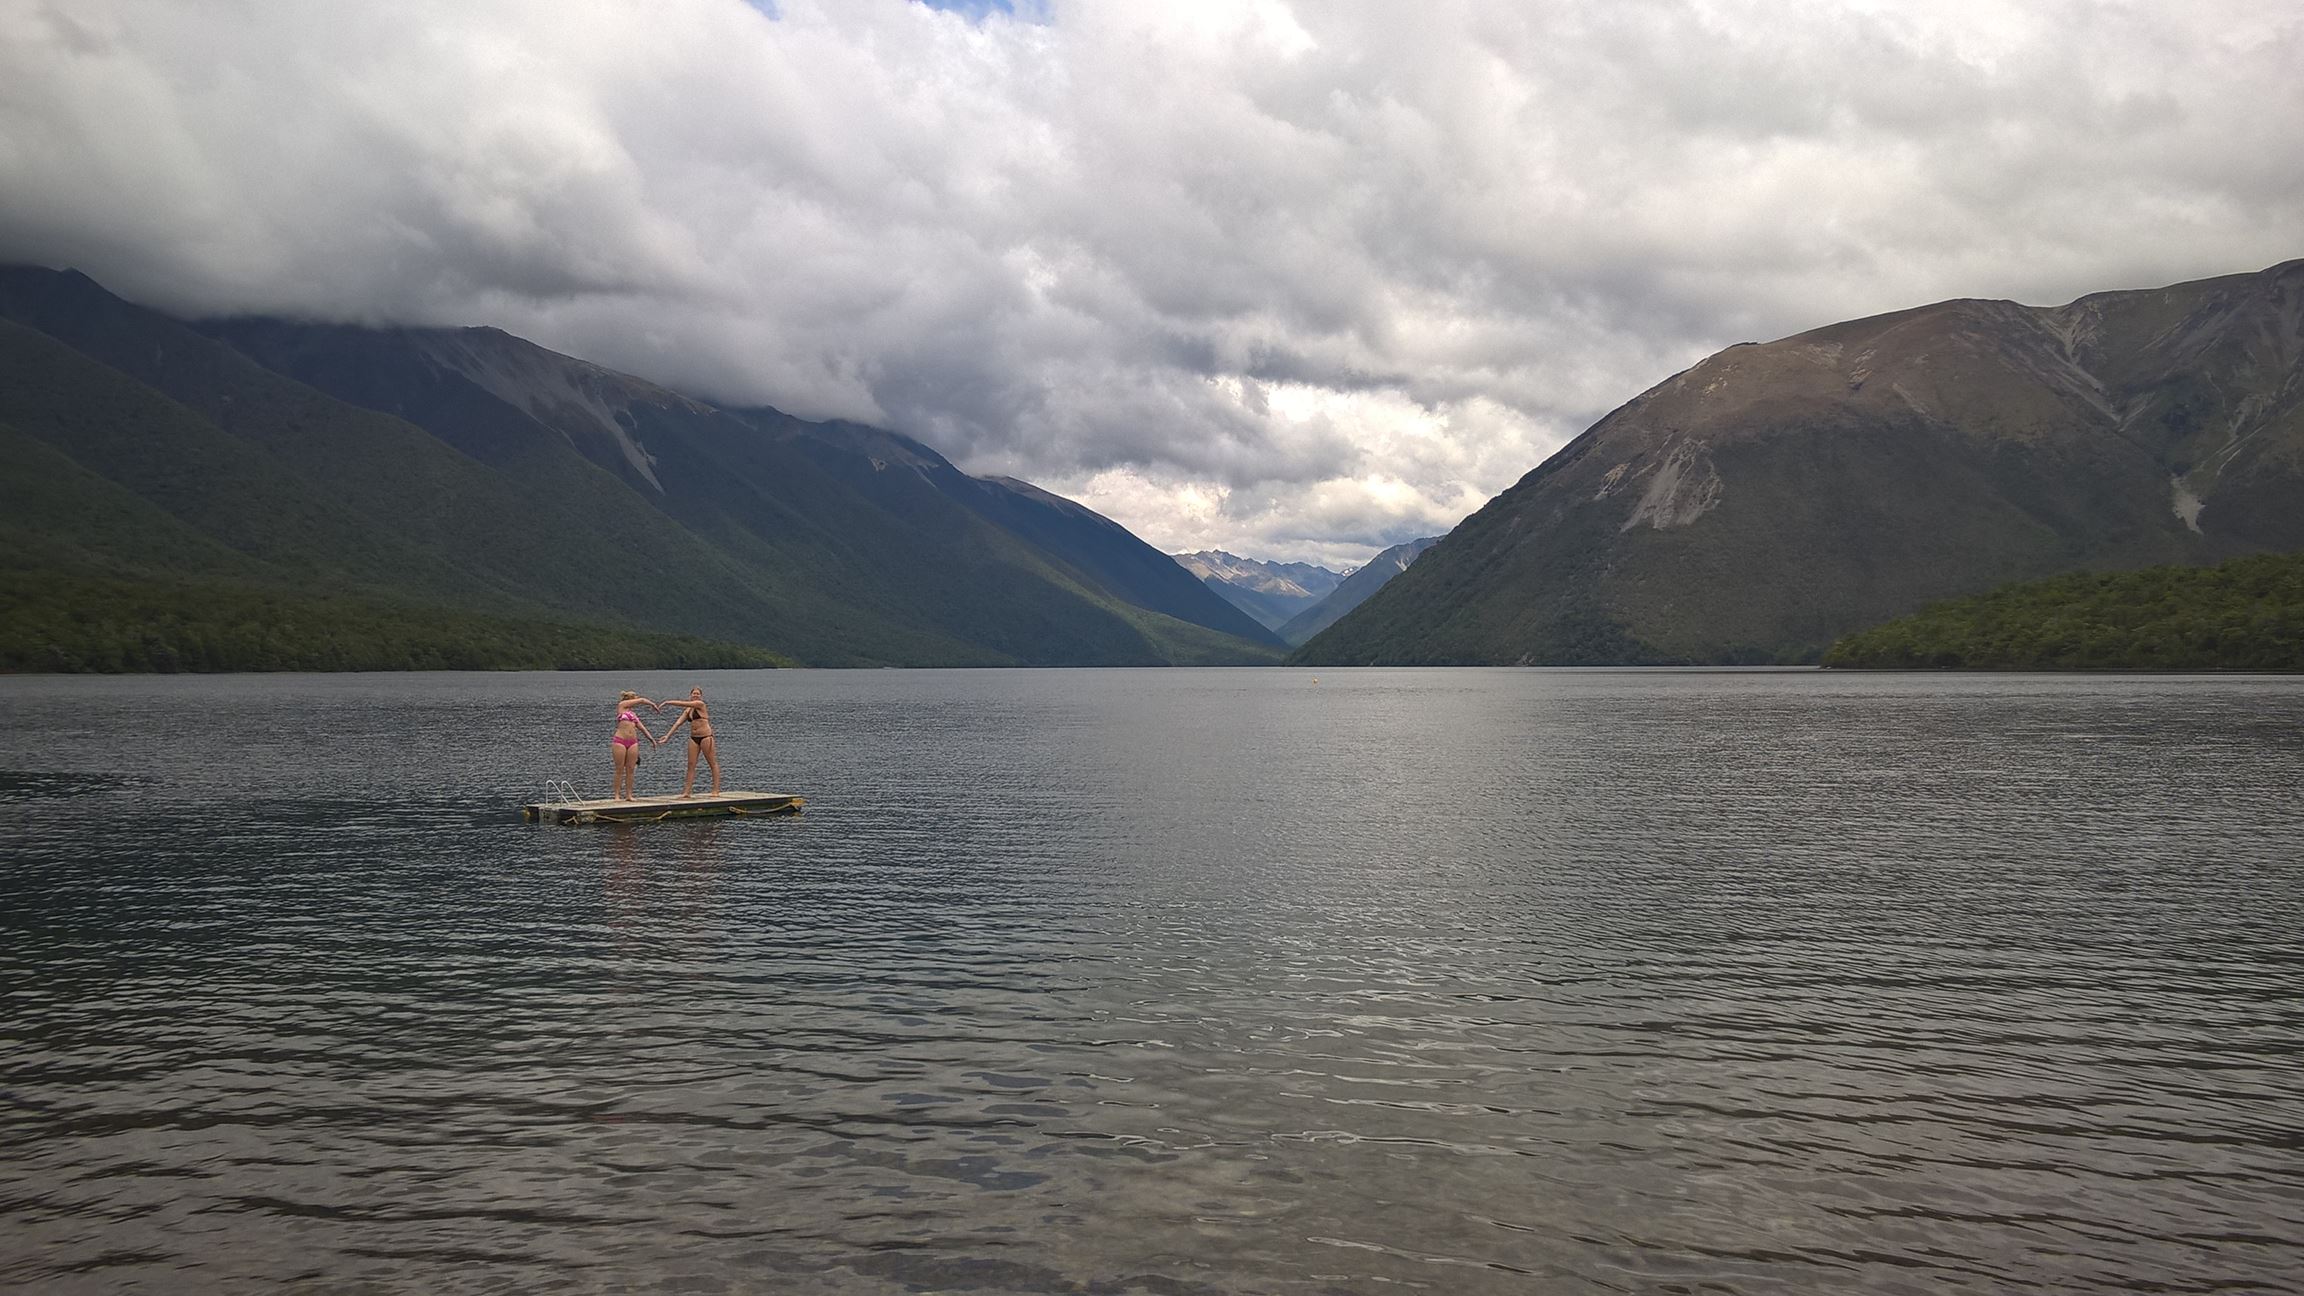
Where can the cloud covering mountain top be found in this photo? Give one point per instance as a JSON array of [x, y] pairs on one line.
[[1298, 280]]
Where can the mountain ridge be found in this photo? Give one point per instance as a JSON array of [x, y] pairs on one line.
[[1269, 592], [1357, 587]]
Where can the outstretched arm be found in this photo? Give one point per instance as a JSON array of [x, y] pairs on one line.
[[684, 714]]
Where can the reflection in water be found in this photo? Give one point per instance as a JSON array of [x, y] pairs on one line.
[[664, 882], [1168, 981]]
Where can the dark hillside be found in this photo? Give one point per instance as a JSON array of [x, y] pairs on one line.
[[386, 503], [879, 555], [471, 471]]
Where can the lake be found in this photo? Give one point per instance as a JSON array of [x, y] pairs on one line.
[[1459, 981]]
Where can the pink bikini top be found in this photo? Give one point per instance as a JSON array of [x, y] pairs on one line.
[[627, 717]]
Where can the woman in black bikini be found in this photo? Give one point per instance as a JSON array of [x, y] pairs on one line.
[[698, 718]]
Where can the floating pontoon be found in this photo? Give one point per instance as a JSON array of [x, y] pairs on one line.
[[652, 809]]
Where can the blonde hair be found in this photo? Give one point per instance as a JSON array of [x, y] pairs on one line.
[[626, 696]]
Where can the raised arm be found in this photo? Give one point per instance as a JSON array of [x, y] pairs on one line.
[[684, 714]]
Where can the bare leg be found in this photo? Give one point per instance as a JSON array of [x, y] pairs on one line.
[[688, 786], [711, 748]]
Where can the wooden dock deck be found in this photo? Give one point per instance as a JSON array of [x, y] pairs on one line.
[[652, 809]]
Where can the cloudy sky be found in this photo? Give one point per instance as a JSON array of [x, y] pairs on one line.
[[1295, 278]]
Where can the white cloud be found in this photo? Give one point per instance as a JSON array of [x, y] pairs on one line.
[[1289, 278]]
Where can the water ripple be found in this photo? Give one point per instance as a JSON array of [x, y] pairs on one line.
[[1164, 982]]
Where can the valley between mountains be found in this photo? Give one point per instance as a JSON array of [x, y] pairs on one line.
[[265, 494]]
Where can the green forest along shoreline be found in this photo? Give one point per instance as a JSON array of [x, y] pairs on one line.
[[80, 624], [2243, 615]]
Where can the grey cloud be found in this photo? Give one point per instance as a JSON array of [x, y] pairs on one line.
[[1341, 267]]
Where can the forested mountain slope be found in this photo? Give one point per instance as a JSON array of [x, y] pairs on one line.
[[2246, 614], [470, 471]]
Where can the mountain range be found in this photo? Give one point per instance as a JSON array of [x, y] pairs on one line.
[[1298, 600], [1776, 496], [1269, 592], [280, 491], [470, 471]]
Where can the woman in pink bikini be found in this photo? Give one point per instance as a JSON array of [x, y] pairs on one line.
[[625, 746]]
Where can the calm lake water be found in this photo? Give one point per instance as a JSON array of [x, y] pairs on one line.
[[1160, 981]]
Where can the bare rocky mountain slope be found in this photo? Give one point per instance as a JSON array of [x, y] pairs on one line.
[[1776, 496]]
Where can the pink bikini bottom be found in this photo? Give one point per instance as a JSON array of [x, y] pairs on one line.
[[625, 742]]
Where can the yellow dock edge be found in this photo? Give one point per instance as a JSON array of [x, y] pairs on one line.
[[656, 809]]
